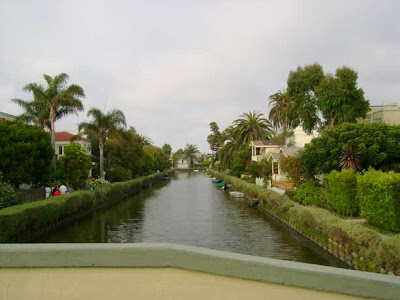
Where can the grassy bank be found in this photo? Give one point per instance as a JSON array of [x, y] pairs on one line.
[[358, 246], [25, 220]]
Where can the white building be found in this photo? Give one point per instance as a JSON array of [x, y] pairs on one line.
[[64, 138], [7, 117], [300, 138]]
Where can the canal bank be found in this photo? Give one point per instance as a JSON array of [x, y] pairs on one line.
[[26, 221], [357, 246]]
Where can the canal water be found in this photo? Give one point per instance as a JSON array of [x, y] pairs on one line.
[[190, 210]]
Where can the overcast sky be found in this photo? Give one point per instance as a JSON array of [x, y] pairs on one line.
[[174, 66]]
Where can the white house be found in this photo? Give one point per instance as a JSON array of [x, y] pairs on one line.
[[64, 138], [275, 158], [7, 117], [300, 138]]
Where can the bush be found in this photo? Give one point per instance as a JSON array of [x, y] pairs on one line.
[[8, 196], [379, 196], [341, 192], [309, 194], [118, 174], [95, 183]]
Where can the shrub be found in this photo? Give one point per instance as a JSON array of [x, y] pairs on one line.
[[118, 174], [292, 167], [389, 254], [95, 183], [8, 196], [379, 196], [309, 194], [341, 192]]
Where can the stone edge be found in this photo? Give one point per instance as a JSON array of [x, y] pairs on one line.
[[217, 262]]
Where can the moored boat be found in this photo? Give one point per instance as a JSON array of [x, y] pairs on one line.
[[236, 194]]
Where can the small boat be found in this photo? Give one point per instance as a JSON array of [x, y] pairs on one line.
[[196, 170], [166, 178], [236, 194], [217, 180], [213, 178], [221, 185]]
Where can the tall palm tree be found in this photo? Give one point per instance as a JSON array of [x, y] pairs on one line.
[[278, 114], [189, 152], [102, 125], [252, 126], [54, 101], [214, 140]]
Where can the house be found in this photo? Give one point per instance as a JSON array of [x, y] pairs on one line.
[[7, 117], [64, 138], [182, 163], [388, 114], [275, 157]]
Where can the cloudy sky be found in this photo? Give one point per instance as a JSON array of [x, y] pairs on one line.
[[174, 66]]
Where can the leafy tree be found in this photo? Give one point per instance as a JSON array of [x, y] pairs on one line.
[[118, 174], [240, 161], [230, 145], [278, 114], [74, 165], [261, 169], [124, 150], [25, 153], [155, 159], [320, 101], [252, 126], [292, 167], [378, 146], [52, 102], [101, 126], [189, 152]]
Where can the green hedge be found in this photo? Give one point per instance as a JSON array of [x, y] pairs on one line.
[[361, 246], [309, 194], [379, 195], [341, 192], [33, 217]]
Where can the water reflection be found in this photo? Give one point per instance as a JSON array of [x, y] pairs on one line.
[[190, 210]]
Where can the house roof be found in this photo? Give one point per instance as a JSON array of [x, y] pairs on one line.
[[290, 151], [66, 136], [264, 143], [276, 156]]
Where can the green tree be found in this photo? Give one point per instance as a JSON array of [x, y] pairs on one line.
[[25, 153], [319, 101], [155, 159], [278, 115], [101, 126], [252, 126], [74, 165], [377, 144], [34, 111], [214, 140], [240, 161], [167, 149], [123, 151], [292, 167], [52, 102], [189, 152]]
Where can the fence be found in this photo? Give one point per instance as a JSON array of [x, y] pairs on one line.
[[31, 195]]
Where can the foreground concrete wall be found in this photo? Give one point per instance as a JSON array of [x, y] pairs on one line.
[[16, 262], [142, 283]]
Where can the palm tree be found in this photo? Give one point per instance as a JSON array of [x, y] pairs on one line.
[[102, 125], [229, 146], [214, 140], [34, 111], [350, 159], [278, 114], [189, 152], [167, 149], [145, 141], [252, 126], [52, 102]]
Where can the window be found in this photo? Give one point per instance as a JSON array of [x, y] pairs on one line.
[[60, 150]]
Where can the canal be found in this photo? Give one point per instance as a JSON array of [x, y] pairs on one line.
[[190, 210]]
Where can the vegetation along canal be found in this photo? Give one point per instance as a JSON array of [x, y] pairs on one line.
[[190, 210]]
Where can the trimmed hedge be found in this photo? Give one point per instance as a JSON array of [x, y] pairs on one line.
[[379, 195], [33, 217], [309, 194], [341, 192], [353, 243]]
